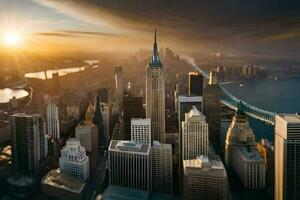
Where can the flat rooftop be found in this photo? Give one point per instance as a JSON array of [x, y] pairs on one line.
[[122, 193], [290, 118], [56, 179], [129, 146], [250, 154], [185, 98]]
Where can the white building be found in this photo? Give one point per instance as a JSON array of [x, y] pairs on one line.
[[87, 133], [129, 165], [155, 96], [53, 121], [287, 157], [205, 179], [194, 135], [242, 155], [162, 168], [73, 160], [141, 130]]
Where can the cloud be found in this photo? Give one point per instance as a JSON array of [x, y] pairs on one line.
[[206, 23], [74, 33]]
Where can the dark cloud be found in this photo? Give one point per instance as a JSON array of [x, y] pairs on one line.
[[210, 23]]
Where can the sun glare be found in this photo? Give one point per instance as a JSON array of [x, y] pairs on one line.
[[11, 39]]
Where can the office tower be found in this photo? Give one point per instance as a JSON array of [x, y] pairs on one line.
[[105, 119], [287, 157], [53, 121], [212, 110], [103, 95], [266, 149], [195, 84], [98, 121], [205, 179], [241, 153], [119, 82], [141, 130], [194, 135], [129, 165], [132, 108], [162, 168], [87, 133], [73, 160], [29, 143], [155, 96]]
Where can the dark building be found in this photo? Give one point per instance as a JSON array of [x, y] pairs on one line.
[[103, 95], [195, 84], [212, 110], [29, 142], [132, 108], [98, 121]]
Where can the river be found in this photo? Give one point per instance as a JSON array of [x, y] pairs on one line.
[[281, 96]]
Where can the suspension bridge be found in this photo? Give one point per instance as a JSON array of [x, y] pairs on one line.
[[234, 103]]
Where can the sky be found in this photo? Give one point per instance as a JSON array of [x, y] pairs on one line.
[[259, 27]]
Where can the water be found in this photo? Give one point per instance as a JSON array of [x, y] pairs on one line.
[[49, 73], [281, 96], [6, 94]]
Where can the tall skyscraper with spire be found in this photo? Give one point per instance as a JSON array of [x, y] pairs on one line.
[[155, 95]]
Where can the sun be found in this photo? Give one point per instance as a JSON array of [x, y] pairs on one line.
[[11, 39]]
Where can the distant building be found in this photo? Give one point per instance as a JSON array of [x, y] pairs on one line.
[[87, 133], [242, 155], [129, 165], [73, 160], [98, 121], [119, 82], [105, 119], [53, 121], [205, 179], [162, 168], [194, 135], [73, 111], [266, 149], [155, 96], [212, 110], [62, 186], [287, 157], [29, 142], [195, 84], [141, 130], [132, 108]]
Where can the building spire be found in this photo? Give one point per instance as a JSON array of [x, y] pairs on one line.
[[155, 61]]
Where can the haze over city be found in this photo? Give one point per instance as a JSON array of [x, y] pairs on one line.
[[149, 99]]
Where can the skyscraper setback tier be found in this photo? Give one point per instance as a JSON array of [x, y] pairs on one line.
[[195, 84], [287, 157], [155, 96], [29, 142]]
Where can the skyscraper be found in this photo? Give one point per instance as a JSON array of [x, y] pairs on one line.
[[29, 143], [73, 160], [194, 135], [119, 82], [129, 165], [98, 121], [132, 108], [141, 131], [287, 157], [53, 121], [195, 84], [155, 95], [242, 155], [162, 168], [212, 110], [205, 179]]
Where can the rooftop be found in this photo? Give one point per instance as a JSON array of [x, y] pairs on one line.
[[187, 99], [290, 118], [129, 146], [250, 154], [59, 180]]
